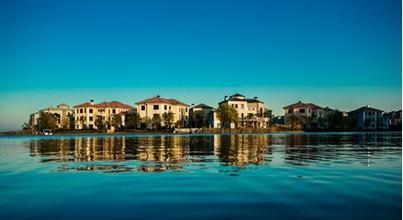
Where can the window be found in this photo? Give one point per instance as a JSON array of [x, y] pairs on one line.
[[165, 107], [143, 107], [242, 106], [90, 110], [289, 111], [91, 118], [156, 107], [242, 115], [113, 111], [236, 105], [81, 110], [302, 110]]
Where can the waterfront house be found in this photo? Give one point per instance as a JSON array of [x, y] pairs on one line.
[[90, 115], [151, 111], [394, 119], [309, 115], [367, 117], [62, 113], [251, 112], [199, 115]]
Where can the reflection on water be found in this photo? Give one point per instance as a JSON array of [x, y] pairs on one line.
[[162, 153]]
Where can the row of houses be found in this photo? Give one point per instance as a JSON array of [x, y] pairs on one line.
[[251, 112], [312, 116]]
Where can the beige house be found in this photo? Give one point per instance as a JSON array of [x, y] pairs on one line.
[[87, 113], [311, 115], [63, 114], [154, 107], [251, 112]]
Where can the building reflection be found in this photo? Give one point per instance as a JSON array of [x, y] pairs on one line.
[[161, 153], [241, 150]]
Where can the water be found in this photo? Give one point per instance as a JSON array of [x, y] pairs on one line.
[[274, 176]]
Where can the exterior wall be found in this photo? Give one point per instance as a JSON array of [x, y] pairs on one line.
[[375, 118], [63, 112], [146, 110], [203, 113], [250, 112], [85, 116], [213, 120]]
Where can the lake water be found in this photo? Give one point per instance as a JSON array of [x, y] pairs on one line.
[[261, 176]]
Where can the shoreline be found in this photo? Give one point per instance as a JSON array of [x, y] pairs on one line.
[[201, 132]]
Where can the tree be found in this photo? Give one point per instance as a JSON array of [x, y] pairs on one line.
[[47, 121], [116, 121], [65, 123], [132, 120], [294, 121], [156, 121], [168, 118], [227, 115], [99, 123]]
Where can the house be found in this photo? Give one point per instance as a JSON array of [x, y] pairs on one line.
[[156, 106], [90, 115], [394, 119], [368, 118], [213, 120], [63, 114], [251, 112], [311, 115], [199, 115]]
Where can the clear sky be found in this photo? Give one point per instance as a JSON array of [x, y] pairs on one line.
[[337, 53]]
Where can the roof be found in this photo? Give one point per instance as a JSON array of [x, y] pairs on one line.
[[253, 100], [366, 109], [158, 99], [237, 94], [300, 104], [201, 105], [113, 104], [83, 105]]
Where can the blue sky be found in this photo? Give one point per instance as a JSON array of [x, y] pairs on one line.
[[337, 53]]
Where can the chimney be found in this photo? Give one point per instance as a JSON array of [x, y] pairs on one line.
[[92, 101], [255, 97], [225, 98], [158, 96]]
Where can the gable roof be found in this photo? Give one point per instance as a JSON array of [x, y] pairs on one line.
[[253, 100], [300, 104], [158, 99], [83, 105], [237, 94], [201, 105], [366, 109], [113, 104]]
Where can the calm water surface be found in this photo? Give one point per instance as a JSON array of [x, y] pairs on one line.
[[275, 176]]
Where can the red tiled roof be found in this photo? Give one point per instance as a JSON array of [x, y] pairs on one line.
[[302, 105], [113, 104], [158, 99], [86, 104]]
